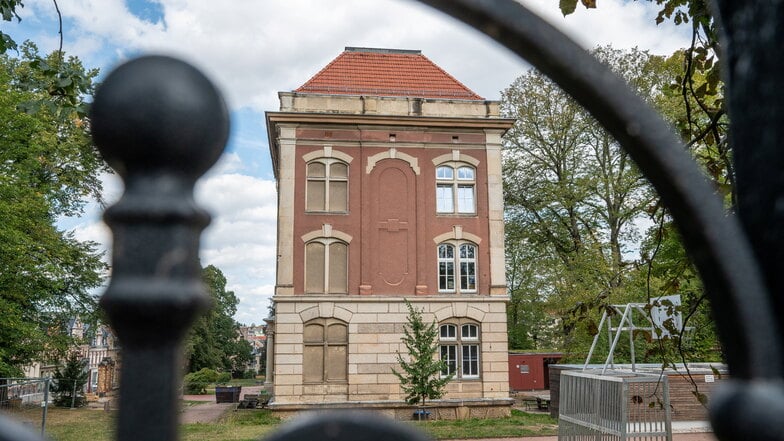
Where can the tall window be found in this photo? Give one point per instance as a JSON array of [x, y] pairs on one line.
[[326, 266], [457, 268], [327, 185], [459, 346], [455, 189], [325, 356]]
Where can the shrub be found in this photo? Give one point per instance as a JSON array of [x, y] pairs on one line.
[[197, 382]]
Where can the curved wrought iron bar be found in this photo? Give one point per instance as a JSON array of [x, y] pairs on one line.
[[714, 239]]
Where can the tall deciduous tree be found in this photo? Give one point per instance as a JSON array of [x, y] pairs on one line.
[[421, 377], [214, 340], [575, 202], [48, 167]]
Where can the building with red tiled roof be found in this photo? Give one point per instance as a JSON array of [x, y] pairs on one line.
[[386, 72], [389, 190]]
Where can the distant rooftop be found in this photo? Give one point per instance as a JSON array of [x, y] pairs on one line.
[[386, 72]]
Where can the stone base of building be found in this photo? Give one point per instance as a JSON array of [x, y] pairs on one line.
[[435, 410]]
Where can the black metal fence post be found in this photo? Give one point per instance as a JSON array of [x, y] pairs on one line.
[[160, 124]]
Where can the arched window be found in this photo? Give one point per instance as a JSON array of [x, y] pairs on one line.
[[455, 186], [325, 356], [327, 185], [326, 266], [457, 267], [459, 348]]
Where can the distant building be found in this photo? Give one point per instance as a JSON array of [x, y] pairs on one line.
[[389, 189], [100, 350], [255, 336]]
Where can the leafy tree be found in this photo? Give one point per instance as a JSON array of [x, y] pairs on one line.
[[8, 12], [421, 377], [575, 206], [214, 341], [573, 201], [701, 119], [48, 167], [70, 379]]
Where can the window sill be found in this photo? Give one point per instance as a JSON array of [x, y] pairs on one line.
[[331, 213], [443, 214]]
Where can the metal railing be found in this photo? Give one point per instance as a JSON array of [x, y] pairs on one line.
[[616, 405], [160, 144]]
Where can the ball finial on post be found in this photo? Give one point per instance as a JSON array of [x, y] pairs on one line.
[[160, 123], [159, 113]]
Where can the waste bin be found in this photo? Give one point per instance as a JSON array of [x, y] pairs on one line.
[[421, 415], [227, 394]]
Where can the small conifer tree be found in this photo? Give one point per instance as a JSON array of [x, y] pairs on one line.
[[69, 379], [421, 377]]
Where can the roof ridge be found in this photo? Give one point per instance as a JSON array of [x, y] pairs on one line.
[[381, 50]]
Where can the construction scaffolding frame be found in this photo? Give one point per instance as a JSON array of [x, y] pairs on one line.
[[655, 315], [617, 405]]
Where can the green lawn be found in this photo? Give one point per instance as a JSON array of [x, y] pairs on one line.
[[96, 425], [519, 424]]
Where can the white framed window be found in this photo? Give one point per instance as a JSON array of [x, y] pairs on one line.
[[460, 351], [457, 267], [455, 189], [326, 266], [327, 186]]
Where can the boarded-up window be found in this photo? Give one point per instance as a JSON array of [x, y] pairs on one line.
[[326, 266], [327, 185], [325, 357], [314, 267], [338, 271]]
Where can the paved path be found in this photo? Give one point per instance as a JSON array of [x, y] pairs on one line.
[[205, 413], [210, 411]]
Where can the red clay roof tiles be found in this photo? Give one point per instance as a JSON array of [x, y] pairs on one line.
[[386, 72]]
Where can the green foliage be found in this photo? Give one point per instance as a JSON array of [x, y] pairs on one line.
[[196, 382], [421, 376], [48, 167], [68, 379], [574, 206], [214, 341], [573, 201], [8, 11], [699, 115]]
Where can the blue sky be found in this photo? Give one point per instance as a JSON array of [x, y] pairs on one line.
[[253, 49]]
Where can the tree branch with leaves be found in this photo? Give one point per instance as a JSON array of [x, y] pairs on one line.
[[422, 372]]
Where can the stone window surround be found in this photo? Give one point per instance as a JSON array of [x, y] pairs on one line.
[[327, 155], [455, 160], [326, 344], [326, 236], [456, 273], [458, 340]]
